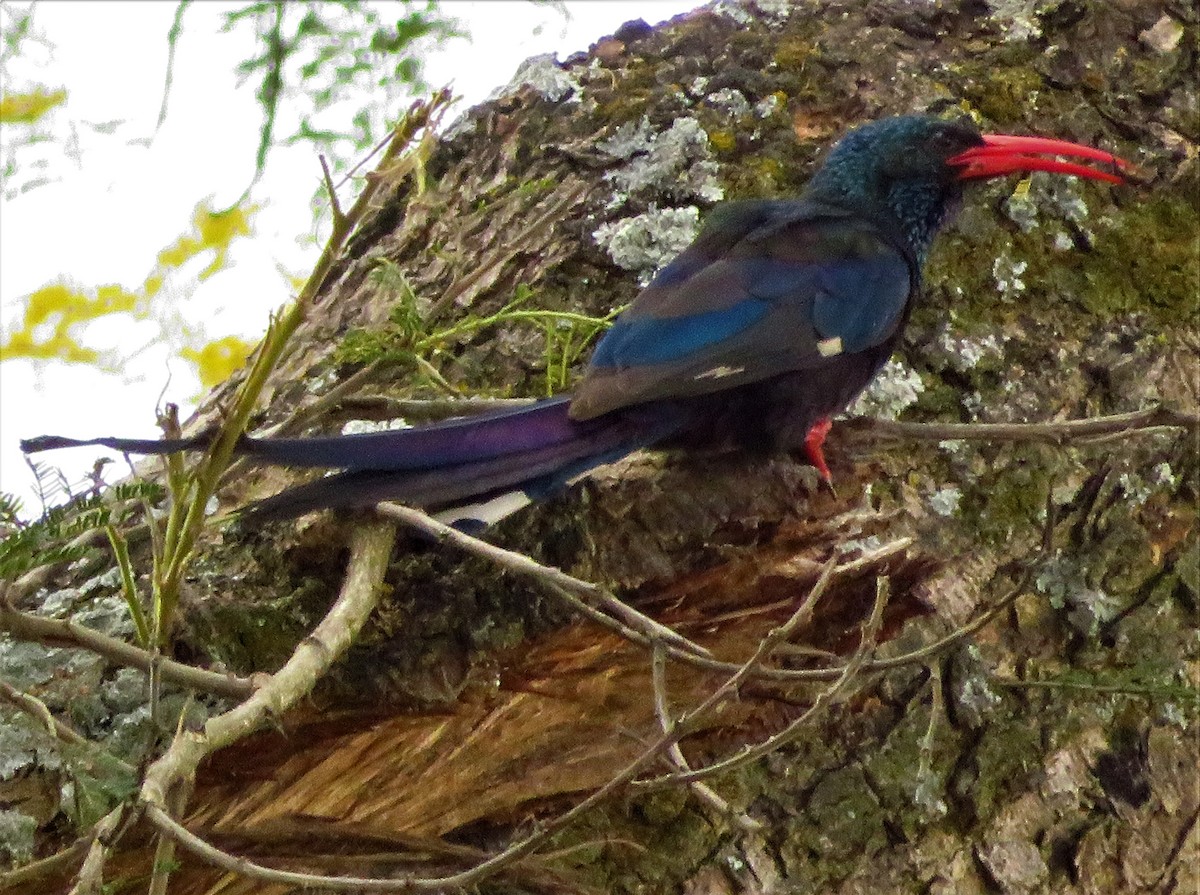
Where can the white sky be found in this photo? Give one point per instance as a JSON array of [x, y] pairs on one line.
[[105, 218]]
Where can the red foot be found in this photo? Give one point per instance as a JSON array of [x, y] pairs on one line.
[[812, 447]]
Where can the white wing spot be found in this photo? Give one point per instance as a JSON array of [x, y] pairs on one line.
[[719, 372], [830, 347]]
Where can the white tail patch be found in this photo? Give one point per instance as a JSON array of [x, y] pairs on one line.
[[719, 372], [830, 347], [486, 513]]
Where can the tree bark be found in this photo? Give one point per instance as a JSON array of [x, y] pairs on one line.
[[1046, 753]]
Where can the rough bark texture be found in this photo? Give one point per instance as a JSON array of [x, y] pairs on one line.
[[1056, 759]]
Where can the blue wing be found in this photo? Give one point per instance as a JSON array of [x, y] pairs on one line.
[[766, 288]]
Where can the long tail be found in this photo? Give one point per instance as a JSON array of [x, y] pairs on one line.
[[471, 471]]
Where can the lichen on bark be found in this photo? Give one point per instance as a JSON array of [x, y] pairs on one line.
[[1050, 761]]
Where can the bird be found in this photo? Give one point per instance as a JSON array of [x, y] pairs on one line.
[[754, 337]]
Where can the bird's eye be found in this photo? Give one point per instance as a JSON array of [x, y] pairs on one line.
[[944, 141]]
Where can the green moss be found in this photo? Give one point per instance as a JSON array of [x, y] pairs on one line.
[[1010, 496], [1001, 93], [1188, 569], [1007, 754], [754, 177], [722, 141], [664, 806], [796, 53], [844, 824], [627, 105], [1123, 560], [940, 400], [248, 636], [1144, 259], [665, 831]]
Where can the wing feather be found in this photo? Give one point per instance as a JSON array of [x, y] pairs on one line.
[[768, 288]]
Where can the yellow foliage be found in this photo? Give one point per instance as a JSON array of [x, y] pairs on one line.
[[45, 330], [59, 307], [212, 231], [217, 360], [179, 253], [26, 108]]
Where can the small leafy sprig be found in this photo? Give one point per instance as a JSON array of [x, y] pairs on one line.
[[54, 537], [409, 338]]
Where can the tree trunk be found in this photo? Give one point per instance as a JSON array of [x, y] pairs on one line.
[[1045, 752]]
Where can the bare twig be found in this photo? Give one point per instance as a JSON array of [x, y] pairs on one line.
[[58, 863], [433, 408], [189, 509], [557, 580], [303, 415], [849, 674], [937, 710], [370, 551], [702, 791], [631, 633], [90, 880], [964, 631], [1139, 422], [38, 577], [244, 867], [53, 865], [66, 633], [335, 207], [37, 710], [692, 653], [1181, 692], [916, 656]]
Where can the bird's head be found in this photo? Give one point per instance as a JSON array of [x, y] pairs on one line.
[[912, 168]]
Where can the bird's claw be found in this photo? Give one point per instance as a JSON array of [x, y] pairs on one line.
[[813, 443]]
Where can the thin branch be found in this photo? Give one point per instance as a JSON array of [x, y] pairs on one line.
[[187, 519], [38, 577], [302, 415], [337, 395], [1122, 425], [370, 552], [964, 631], [850, 672], [644, 630], [90, 880], [615, 625], [335, 207], [432, 408], [1181, 692], [66, 633], [78, 851], [52, 865], [96, 843], [432, 374], [937, 710], [38, 710], [705, 793], [917, 656], [557, 580], [173, 35], [244, 867]]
